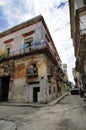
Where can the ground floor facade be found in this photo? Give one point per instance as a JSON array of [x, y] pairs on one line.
[[29, 79]]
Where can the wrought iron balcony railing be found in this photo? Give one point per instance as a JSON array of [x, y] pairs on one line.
[[42, 46], [32, 72], [24, 50]]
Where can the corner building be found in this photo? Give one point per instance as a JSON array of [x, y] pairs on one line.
[[28, 62]]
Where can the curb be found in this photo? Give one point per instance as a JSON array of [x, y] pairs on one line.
[[21, 105], [57, 100], [54, 102]]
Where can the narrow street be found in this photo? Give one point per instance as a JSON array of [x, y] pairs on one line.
[[42, 64], [68, 114]]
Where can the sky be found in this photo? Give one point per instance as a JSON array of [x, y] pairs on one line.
[[56, 16]]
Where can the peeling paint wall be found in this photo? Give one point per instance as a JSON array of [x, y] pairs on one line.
[[22, 83], [18, 39], [21, 86], [42, 70]]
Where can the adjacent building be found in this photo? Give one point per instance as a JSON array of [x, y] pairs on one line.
[[77, 78], [66, 81], [78, 34], [30, 66]]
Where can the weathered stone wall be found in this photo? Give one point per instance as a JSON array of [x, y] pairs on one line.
[[50, 82], [18, 39], [21, 86]]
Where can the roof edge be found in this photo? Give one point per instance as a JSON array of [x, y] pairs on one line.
[[22, 25]]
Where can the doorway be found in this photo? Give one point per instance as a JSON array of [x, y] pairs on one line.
[[35, 94], [4, 88]]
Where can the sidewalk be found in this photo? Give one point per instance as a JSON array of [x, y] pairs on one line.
[[57, 99], [37, 105]]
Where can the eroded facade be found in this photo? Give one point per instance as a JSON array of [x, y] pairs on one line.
[[28, 62]]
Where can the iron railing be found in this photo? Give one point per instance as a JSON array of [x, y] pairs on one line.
[[24, 50]]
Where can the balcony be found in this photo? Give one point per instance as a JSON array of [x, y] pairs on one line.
[[82, 49], [24, 51], [32, 72], [49, 71], [42, 47]]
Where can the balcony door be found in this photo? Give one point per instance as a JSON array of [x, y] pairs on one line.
[[28, 43]]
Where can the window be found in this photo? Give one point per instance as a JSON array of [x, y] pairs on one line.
[[28, 44], [32, 68], [28, 41], [8, 51], [54, 89], [49, 70], [58, 89], [49, 89], [8, 48]]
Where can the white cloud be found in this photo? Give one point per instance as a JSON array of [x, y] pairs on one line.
[[57, 20], [2, 3]]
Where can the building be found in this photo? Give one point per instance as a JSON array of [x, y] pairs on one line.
[[78, 34], [64, 68], [65, 78], [77, 78], [28, 63]]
